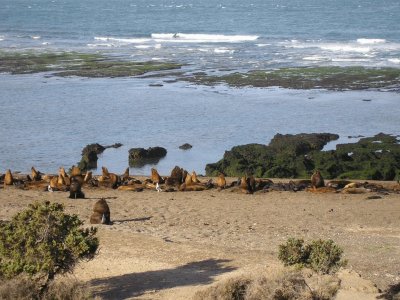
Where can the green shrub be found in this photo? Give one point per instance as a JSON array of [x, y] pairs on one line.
[[43, 240], [320, 256], [293, 252], [324, 256]]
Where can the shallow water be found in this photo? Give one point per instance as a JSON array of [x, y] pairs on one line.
[[47, 121]]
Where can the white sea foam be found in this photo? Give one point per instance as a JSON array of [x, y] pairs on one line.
[[36, 37], [263, 45], [338, 47], [350, 59], [122, 40], [223, 50], [142, 46], [394, 60], [100, 45], [202, 38], [315, 58], [364, 41]]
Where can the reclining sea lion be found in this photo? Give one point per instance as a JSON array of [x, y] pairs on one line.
[[101, 213]]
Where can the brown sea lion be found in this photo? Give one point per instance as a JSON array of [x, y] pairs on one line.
[[115, 181], [194, 177], [191, 188], [188, 180], [54, 183], [316, 180], [244, 185], [75, 171], [63, 178], [35, 175], [105, 172], [155, 177], [177, 174], [221, 181], [8, 178], [125, 176], [75, 189], [101, 213]]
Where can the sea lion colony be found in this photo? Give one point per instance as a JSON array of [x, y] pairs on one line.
[[180, 180]]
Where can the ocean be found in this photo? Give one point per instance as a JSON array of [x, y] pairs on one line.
[[47, 120]]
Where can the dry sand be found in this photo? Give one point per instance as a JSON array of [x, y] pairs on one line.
[[169, 245]]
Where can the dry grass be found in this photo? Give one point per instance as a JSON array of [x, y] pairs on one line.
[[25, 288], [285, 284]]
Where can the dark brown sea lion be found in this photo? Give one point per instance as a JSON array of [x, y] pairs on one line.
[[177, 174], [75, 189], [101, 213], [316, 180]]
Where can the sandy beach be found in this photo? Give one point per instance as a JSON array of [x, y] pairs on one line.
[[170, 245]]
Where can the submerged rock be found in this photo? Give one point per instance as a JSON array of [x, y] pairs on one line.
[[185, 146], [297, 156], [140, 156]]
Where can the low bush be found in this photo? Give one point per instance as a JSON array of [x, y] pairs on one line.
[[322, 256], [43, 241]]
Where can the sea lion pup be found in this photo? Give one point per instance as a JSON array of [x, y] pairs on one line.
[[155, 177], [8, 178], [75, 191], [316, 180], [101, 213], [221, 181], [35, 175]]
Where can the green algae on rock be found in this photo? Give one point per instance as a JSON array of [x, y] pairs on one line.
[[332, 78], [296, 156], [77, 64]]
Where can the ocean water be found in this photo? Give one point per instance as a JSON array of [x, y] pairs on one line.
[[46, 121]]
